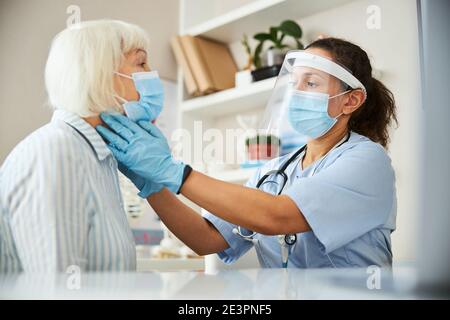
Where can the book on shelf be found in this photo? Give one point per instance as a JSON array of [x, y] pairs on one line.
[[219, 63], [189, 80], [207, 65]]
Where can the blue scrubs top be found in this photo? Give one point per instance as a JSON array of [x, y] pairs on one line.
[[348, 198]]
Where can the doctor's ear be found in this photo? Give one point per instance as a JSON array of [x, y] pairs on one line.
[[355, 99]]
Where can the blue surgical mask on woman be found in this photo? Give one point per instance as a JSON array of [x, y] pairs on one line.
[[308, 113], [151, 96]]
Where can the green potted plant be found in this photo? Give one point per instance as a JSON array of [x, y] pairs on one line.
[[268, 61], [248, 51]]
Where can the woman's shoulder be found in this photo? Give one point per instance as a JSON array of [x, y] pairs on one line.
[[362, 144], [50, 142], [363, 152]]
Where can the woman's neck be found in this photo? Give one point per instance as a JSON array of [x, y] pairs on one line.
[[318, 148], [93, 121]]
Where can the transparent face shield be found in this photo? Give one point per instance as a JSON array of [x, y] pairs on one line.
[[305, 102]]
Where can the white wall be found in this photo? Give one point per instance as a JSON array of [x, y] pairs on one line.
[[393, 50], [26, 30]]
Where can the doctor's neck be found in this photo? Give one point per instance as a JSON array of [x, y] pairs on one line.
[[318, 148]]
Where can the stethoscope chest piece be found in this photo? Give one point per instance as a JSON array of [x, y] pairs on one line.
[[290, 239]]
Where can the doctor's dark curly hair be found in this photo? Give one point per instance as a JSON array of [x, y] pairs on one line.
[[378, 112]]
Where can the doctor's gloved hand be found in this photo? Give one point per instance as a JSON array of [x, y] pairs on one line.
[[142, 149], [145, 187]]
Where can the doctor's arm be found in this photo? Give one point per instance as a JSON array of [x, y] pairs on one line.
[[143, 150], [191, 228], [250, 208]]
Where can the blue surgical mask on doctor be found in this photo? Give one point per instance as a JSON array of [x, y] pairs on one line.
[[308, 113], [151, 96]]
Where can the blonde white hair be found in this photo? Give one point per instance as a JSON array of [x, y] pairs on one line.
[[79, 75]]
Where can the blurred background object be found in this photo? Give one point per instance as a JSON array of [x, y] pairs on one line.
[[434, 246]]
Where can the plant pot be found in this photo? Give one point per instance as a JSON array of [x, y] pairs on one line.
[[262, 148], [273, 57], [266, 72], [262, 151]]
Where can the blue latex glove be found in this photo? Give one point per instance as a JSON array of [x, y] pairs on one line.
[[146, 187], [142, 149]]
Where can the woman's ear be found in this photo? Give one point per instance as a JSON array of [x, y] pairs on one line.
[[355, 99]]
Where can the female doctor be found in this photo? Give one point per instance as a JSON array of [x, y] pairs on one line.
[[331, 203]]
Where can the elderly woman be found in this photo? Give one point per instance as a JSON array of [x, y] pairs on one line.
[[60, 196]]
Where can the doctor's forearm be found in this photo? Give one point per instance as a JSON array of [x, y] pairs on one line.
[[250, 208], [191, 228]]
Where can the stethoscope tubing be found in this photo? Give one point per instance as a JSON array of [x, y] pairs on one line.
[[281, 171]]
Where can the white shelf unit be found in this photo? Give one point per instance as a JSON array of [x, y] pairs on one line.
[[227, 21], [251, 17], [230, 101]]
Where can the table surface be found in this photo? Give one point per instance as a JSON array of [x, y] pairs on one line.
[[396, 283]]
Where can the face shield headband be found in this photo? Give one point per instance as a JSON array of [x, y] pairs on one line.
[[300, 97], [305, 59]]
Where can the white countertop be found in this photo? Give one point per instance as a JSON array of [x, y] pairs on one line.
[[226, 284]]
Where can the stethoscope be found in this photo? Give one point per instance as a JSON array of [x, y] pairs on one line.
[[287, 241]]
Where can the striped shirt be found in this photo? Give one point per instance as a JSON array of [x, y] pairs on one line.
[[60, 202]]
